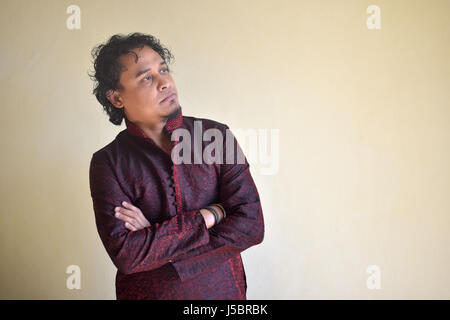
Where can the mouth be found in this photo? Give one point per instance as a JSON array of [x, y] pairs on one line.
[[168, 98]]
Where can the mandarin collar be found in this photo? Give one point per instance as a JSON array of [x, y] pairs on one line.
[[170, 125]]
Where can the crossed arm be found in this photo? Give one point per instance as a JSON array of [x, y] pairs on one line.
[[134, 219], [190, 240]]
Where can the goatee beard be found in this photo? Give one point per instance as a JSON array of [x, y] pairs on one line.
[[174, 113]]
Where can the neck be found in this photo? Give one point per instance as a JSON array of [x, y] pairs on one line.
[[155, 132]]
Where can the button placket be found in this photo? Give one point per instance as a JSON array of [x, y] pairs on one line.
[[176, 201], [172, 186]]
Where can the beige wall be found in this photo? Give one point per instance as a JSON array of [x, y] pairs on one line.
[[363, 150]]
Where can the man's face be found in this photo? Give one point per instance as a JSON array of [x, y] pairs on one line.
[[145, 85]]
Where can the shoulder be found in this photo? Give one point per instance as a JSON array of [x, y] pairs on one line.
[[111, 149]]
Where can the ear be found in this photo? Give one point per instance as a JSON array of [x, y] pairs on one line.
[[114, 97]]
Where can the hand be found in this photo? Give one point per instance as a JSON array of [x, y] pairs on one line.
[[209, 217], [132, 216]]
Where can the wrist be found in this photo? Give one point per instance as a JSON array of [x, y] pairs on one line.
[[222, 211], [208, 217], [215, 211]]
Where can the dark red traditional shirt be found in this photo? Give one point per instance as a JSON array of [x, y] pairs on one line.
[[176, 257]]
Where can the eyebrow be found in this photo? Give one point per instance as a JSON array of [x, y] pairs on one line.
[[148, 69]]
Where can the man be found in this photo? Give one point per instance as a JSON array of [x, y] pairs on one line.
[[173, 230]]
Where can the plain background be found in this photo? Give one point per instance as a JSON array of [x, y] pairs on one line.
[[364, 126]]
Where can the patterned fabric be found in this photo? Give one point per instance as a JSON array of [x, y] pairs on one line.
[[176, 257]]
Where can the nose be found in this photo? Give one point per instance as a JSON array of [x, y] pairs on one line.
[[163, 83]]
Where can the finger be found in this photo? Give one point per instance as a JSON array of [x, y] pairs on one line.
[[130, 213], [136, 218], [134, 213], [125, 218], [130, 227], [136, 223], [129, 206], [127, 212]]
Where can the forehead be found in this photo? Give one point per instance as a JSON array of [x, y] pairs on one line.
[[146, 56]]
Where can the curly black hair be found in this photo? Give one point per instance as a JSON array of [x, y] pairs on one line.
[[107, 66]]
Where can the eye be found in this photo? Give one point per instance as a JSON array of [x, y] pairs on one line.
[[148, 77], [165, 70]]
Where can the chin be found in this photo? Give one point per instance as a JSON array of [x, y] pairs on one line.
[[172, 110], [174, 107]]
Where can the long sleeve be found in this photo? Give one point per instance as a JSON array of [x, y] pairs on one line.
[[242, 228], [145, 249]]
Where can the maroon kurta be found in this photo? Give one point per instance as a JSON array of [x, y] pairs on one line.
[[176, 257]]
